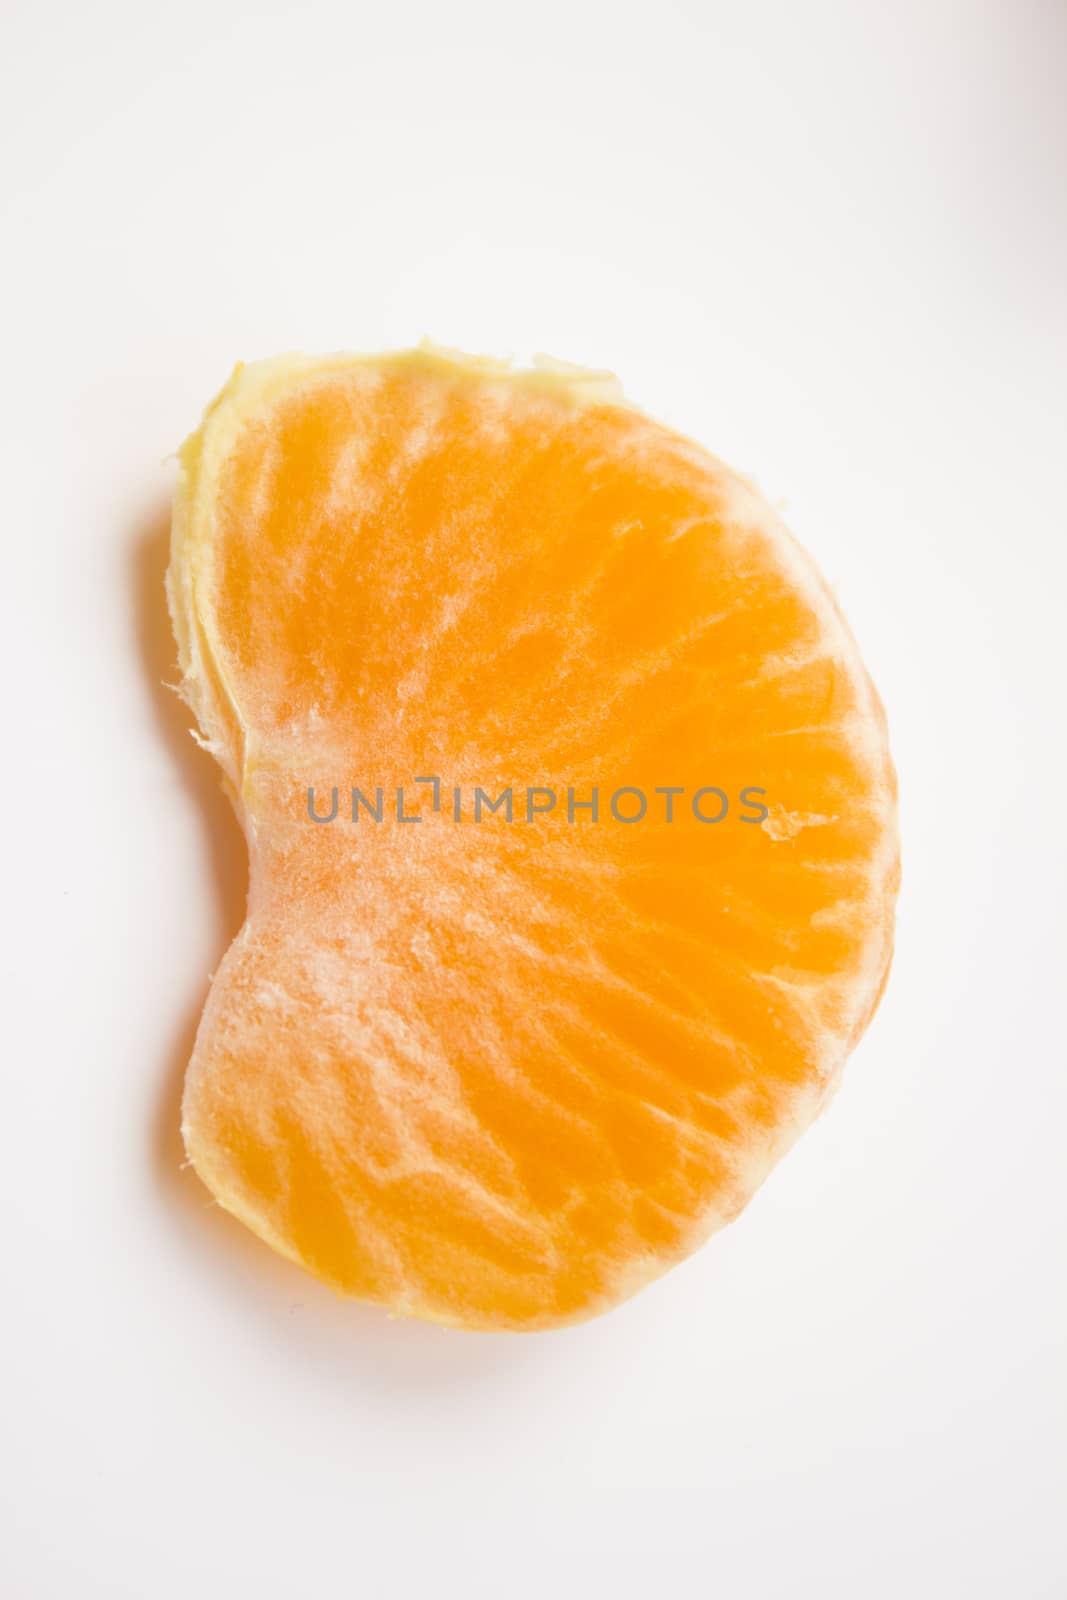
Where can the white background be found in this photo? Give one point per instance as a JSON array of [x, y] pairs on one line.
[[828, 241]]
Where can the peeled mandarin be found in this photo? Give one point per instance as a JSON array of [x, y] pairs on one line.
[[502, 1062]]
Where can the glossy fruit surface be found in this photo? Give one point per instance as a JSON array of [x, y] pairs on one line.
[[500, 1073]]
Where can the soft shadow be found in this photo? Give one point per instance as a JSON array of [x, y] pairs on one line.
[[199, 777], [340, 1332]]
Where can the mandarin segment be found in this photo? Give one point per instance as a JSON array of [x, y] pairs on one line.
[[500, 1073]]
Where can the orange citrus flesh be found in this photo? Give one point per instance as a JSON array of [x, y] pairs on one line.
[[502, 1073]]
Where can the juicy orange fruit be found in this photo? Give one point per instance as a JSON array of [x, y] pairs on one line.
[[502, 1073]]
